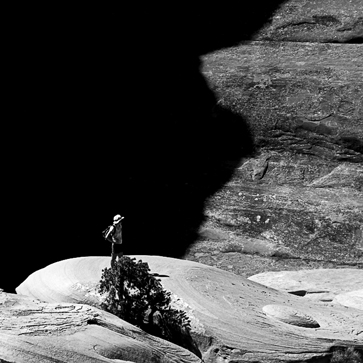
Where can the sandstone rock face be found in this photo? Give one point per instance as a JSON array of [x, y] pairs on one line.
[[290, 316], [36, 332], [233, 318], [324, 285], [316, 21], [297, 202], [301, 193], [352, 299]]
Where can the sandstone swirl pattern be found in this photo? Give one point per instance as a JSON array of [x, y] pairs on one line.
[[228, 312], [36, 332]]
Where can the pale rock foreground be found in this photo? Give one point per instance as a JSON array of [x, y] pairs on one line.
[[36, 332], [343, 286], [233, 318], [352, 299]]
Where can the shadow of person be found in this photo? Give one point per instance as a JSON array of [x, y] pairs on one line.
[[115, 116]]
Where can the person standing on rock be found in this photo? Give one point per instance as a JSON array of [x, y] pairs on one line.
[[113, 234]]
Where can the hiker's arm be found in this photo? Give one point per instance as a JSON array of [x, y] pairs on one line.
[[109, 231]]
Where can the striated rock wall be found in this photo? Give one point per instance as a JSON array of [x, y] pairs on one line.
[[315, 21], [298, 200], [305, 98]]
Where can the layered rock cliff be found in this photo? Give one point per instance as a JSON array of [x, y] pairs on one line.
[[297, 201]]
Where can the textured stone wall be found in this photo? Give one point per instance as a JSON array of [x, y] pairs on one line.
[[298, 201], [315, 21]]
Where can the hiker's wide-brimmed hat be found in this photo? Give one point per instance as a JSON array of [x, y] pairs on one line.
[[117, 218]]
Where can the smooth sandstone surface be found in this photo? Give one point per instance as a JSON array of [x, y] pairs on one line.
[[318, 284], [36, 332], [352, 299], [290, 316], [232, 317]]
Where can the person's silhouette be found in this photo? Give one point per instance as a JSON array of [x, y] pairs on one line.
[[113, 234]]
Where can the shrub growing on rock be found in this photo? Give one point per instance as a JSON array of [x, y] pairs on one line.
[[135, 295], [346, 355]]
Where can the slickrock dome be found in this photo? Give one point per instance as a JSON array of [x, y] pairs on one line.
[[36, 332], [323, 285], [232, 317]]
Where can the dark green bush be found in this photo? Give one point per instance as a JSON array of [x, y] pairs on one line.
[[136, 296], [346, 355]]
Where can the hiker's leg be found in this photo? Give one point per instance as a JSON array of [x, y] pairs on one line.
[[118, 251], [113, 256]]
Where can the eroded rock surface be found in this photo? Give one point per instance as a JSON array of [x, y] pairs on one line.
[[316, 21], [290, 315], [352, 299], [302, 97], [231, 316], [318, 284], [300, 195], [37, 332]]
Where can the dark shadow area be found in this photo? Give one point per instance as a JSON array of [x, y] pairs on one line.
[[357, 40], [111, 114], [176, 334], [298, 292]]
